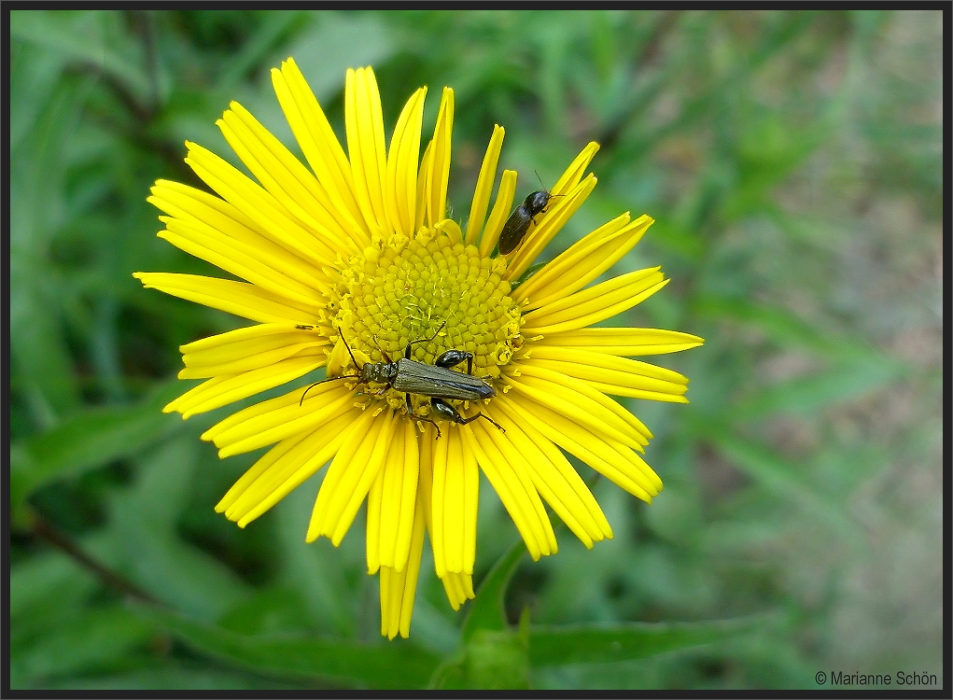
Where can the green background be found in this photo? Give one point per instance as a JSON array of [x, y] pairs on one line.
[[792, 161]]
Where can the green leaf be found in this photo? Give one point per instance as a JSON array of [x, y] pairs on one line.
[[91, 640], [34, 76], [87, 441], [169, 674], [89, 37], [45, 585], [316, 571], [597, 644], [486, 611], [350, 664], [42, 361], [145, 520], [338, 41], [492, 655], [491, 660], [254, 52]]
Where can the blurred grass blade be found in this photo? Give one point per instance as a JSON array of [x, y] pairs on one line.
[[782, 327], [486, 611], [787, 330], [806, 395], [780, 476], [599, 644], [394, 665], [88, 440]]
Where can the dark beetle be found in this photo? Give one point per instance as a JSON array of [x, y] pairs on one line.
[[437, 381], [518, 224]]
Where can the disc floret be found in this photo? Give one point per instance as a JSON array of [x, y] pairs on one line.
[[402, 290]]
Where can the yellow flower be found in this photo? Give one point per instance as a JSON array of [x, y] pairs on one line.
[[346, 263]]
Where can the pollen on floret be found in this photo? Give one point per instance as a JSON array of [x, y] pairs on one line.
[[407, 289]]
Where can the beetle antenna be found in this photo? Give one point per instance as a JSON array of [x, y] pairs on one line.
[[540, 180], [329, 379], [435, 334], [344, 340]]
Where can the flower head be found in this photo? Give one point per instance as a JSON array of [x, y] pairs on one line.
[[354, 266]]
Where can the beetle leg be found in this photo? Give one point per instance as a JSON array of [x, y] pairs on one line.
[[410, 412], [423, 340], [452, 358], [450, 413]]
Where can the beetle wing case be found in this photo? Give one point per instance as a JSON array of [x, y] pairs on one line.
[[429, 380]]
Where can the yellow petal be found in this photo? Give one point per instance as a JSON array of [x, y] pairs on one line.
[[274, 459], [552, 469], [341, 495], [439, 170], [485, 434], [559, 492], [365, 145], [401, 191], [216, 217], [245, 300], [262, 352], [611, 371], [283, 176], [484, 185], [372, 539], [427, 442], [398, 588], [438, 502], [232, 346], [283, 468], [451, 229], [585, 412], [509, 482], [453, 503], [614, 464], [348, 465], [423, 186], [594, 304], [569, 179], [322, 403], [227, 389], [296, 181], [583, 262], [259, 205], [242, 261], [602, 409], [258, 409], [500, 213], [471, 500], [624, 341], [319, 145], [459, 588], [398, 497]]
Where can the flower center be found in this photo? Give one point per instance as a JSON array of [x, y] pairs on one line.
[[403, 290]]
